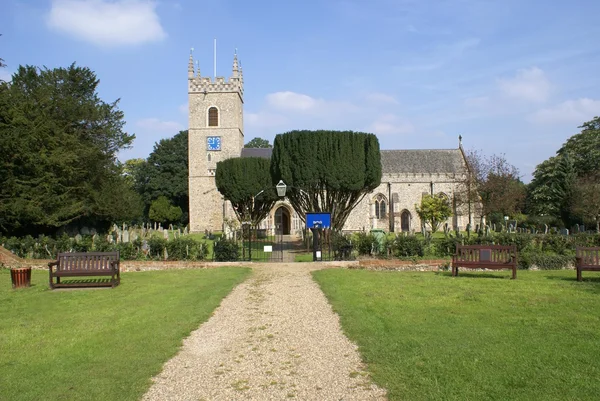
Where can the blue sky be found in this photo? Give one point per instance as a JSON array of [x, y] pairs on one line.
[[511, 77]]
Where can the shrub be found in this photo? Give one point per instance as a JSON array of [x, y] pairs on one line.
[[226, 250], [559, 244], [365, 243], [184, 248], [157, 247], [407, 246], [546, 261]]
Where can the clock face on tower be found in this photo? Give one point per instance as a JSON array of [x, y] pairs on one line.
[[213, 143]]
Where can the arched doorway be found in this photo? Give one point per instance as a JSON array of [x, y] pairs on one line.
[[282, 221], [405, 221]]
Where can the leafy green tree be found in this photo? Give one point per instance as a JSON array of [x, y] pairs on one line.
[[552, 190], [497, 184], [586, 199], [326, 171], [258, 143], [165, 173], [434, 210], [246, 183], [162, 211], [58, 147]]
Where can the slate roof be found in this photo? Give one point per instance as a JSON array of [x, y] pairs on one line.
[[257, 152], [401, 161], [422, 161]]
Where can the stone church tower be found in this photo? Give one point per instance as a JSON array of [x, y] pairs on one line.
[[216, 132]]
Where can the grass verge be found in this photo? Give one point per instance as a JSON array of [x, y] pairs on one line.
[[428, 336], [101, 344]]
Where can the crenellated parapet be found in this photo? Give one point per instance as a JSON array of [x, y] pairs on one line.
[[200, 84]]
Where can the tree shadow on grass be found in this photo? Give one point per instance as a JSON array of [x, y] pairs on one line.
[[483, 275], [589, 283]]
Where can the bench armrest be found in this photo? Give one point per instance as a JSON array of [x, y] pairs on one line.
[[55, 263]]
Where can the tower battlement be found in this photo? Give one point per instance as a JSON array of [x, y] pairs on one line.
[[219, 84], [199, 84]]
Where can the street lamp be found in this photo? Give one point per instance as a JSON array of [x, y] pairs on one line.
[[506, 221], [281, 188]]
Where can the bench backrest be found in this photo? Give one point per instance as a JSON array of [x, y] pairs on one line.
[[86, 260], [486, 253], [589, 256]]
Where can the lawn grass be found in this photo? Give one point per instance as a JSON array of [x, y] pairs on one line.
[[481, 336], [101, 344]]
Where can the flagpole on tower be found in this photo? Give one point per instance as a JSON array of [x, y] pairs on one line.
[[215, 58]]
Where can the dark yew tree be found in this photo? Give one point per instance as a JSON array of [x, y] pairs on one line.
[[164, 173], [326, 171], [246, 182], [58, 147]]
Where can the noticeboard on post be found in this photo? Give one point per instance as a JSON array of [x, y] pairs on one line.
[[318, 220]]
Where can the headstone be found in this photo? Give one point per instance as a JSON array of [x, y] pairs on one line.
[[582, 228], [125, 236], [84, 231], [145, 247], [166, 234], [186, 230], [78, 238], [133, 236], [564, 231], [109, 238], [171, 227], [545, 228], [93, 231]]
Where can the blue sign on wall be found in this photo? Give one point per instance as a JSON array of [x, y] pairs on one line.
[[318, 220]]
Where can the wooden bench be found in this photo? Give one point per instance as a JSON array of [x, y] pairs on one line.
[[485, 257], [85, 264], [587, 259]]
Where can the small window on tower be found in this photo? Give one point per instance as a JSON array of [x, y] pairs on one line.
[[213, 117]]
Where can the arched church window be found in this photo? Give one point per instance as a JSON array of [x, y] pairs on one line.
[[380, 207], [213, 117]]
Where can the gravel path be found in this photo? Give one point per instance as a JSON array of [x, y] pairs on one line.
[[274, 337]]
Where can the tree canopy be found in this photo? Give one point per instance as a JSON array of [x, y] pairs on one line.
[[246, 183], [434, 209], [326, 171], [554, 188], [258, 143], [497, 184], [58, 146], [164, 173]]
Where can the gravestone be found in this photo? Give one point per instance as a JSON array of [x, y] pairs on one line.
[[78, 238], [109, 238], [171, 227], [84, 231], [564, 231], [166, 234], [93, 231], [145, 247], [125, 236], [133, 236], [545, 228]]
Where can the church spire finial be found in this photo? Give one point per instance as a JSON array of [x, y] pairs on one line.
[[459, 141], [236, 67], [191, 64]]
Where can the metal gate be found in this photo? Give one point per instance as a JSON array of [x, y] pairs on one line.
[[261, 245]]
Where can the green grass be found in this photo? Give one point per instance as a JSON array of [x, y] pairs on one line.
[[428, 336], [102, 344]]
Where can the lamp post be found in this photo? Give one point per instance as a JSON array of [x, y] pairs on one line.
[[506, 222]]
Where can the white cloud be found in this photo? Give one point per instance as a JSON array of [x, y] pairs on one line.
[[264, 119], [157, 126], [381, 98], [529, 85], [390, 124], [107, 23], [571, 111], [291, 101]]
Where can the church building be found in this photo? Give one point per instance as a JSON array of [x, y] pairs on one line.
[[216, 132]]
